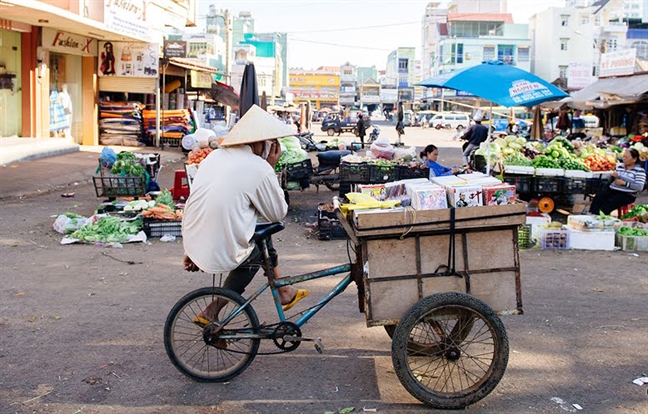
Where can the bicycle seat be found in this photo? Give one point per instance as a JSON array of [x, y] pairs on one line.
[[265, 230]]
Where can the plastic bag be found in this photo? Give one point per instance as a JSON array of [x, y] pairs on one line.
[[66, 225], [108, 156], [405, 154], [381, 148]]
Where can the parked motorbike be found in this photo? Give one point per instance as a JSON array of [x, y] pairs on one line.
[[375, 132]]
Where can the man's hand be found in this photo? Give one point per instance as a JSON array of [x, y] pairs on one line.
[[614, 175], [275, 153], [189, 265]]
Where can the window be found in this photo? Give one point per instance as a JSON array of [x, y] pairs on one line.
[[402, 64], [489, 52], [564, 20], [584, 20], [563, 44], [611, 45], [505, 53], [460, 57], [523, 54], [562, 72]]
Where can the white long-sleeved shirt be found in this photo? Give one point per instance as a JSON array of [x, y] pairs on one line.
[[232, 187]]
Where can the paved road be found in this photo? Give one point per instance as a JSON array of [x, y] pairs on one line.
[[81, 328]]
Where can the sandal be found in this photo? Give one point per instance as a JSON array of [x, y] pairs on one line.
[[301, 294]]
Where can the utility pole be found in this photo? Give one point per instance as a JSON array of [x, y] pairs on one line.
[[228, 68]]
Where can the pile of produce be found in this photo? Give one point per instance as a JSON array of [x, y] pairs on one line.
[[518, 159], [599, 163], [196, 156], [572, 163], [632, 231], [638, 212], [545, 161], [510, 144], [163, 212], [291, 152], [127, 164], [108, 229]]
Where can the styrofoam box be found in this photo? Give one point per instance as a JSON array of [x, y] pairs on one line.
[[472, 177], [587, 240], [519, 169], [536, 224], [578, 174], [550, 172]]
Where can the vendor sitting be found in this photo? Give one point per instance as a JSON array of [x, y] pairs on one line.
[[430, 155], [628, 179]]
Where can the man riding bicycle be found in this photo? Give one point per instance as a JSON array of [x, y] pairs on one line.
[[235, 185]]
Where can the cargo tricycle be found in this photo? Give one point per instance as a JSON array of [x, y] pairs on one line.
[[436, 280]]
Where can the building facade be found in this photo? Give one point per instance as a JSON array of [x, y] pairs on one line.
[[400, 71], [348, 84], [321, 87], [54, 53]]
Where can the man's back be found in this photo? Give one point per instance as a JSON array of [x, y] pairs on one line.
[[230, 189]]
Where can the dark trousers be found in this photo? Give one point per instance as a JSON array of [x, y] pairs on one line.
[[239, 278], [609, 200]]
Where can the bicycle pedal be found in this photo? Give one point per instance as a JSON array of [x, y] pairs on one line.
[[319, 347]]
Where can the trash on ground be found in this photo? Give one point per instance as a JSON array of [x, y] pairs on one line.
[[168, 238], [641, 381]]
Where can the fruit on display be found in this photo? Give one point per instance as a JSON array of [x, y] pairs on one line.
[[572, 163], [545, 161], [599, 163], [197, 155], [518, 159]]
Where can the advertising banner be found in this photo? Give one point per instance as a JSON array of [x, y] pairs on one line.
[[70, 43], [127, 17], [618, 63], [579, 75], [200, 79], [175, 48], [138, 60], [388, 95]]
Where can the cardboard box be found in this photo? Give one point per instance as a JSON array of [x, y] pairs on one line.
[[376, 191], [465, 196], [495, 195], [430, 197], [448, 180]]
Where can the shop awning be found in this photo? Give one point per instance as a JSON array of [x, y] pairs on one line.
[[623, 88], [224, 94], [187, 63], [39, 13]]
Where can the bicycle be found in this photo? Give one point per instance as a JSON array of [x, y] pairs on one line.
[[449, 350]]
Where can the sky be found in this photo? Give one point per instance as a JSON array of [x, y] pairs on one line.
[[362, 32]]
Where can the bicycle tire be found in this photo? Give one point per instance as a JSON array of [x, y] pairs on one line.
[[185, 342], [462, 373]]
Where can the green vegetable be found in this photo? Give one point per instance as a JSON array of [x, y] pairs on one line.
[[636, 211], [165, 198], [631, 231], [108, 229], [72, 215], [125, 155], [518, 159]]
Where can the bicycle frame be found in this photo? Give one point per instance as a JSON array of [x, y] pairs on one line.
[[288, 281]]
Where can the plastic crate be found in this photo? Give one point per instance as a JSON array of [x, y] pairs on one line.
[[574, 186], [354, 172], [329, 225], [119, 186], [554, 239], [525, 236], [158, 228], [405, 172], [523, 183], [171, 142], [547, 185], [297, 170], [633, 243], [382, 173], [596, 185]]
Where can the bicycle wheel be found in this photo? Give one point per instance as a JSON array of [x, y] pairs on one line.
[[200, 353], [450, 350]]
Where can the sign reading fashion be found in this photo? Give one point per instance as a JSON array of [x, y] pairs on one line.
[[70, 43], [128, 59], [126, 17]]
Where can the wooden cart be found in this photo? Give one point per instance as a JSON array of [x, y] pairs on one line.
[[437, 280]]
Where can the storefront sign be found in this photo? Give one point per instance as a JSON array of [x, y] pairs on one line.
[[579, 75], [388, 95], [200, 79], [618, 63], [72, 44], [370, 99], [127, 17], [175, 48], [128, 59]]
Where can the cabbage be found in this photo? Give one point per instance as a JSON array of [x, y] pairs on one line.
[[521, 140], [501, 142]]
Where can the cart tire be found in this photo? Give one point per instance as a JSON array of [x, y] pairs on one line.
[[451, 372], [546, 205], [187, 344]]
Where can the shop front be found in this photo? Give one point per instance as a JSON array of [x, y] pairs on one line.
[[11, 76]]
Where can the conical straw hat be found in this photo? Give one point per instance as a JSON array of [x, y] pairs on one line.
[[256, 125]]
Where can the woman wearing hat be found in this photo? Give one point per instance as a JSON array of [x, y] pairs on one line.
[[233, 187]]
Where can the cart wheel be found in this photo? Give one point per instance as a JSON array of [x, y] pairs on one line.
[[450, 350], [546, 205]]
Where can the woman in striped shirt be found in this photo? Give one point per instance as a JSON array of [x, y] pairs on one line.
[[629, 179]]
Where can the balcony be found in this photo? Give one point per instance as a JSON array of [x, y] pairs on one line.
[[613, 28]]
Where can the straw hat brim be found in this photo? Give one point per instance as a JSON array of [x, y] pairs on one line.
[[256, 125]]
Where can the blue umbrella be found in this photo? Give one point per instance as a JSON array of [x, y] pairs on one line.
[[500, 83]]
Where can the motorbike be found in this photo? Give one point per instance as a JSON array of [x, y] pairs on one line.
[[375, 132]]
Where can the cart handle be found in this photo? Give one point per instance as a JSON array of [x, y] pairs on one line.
[[344, 222]]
